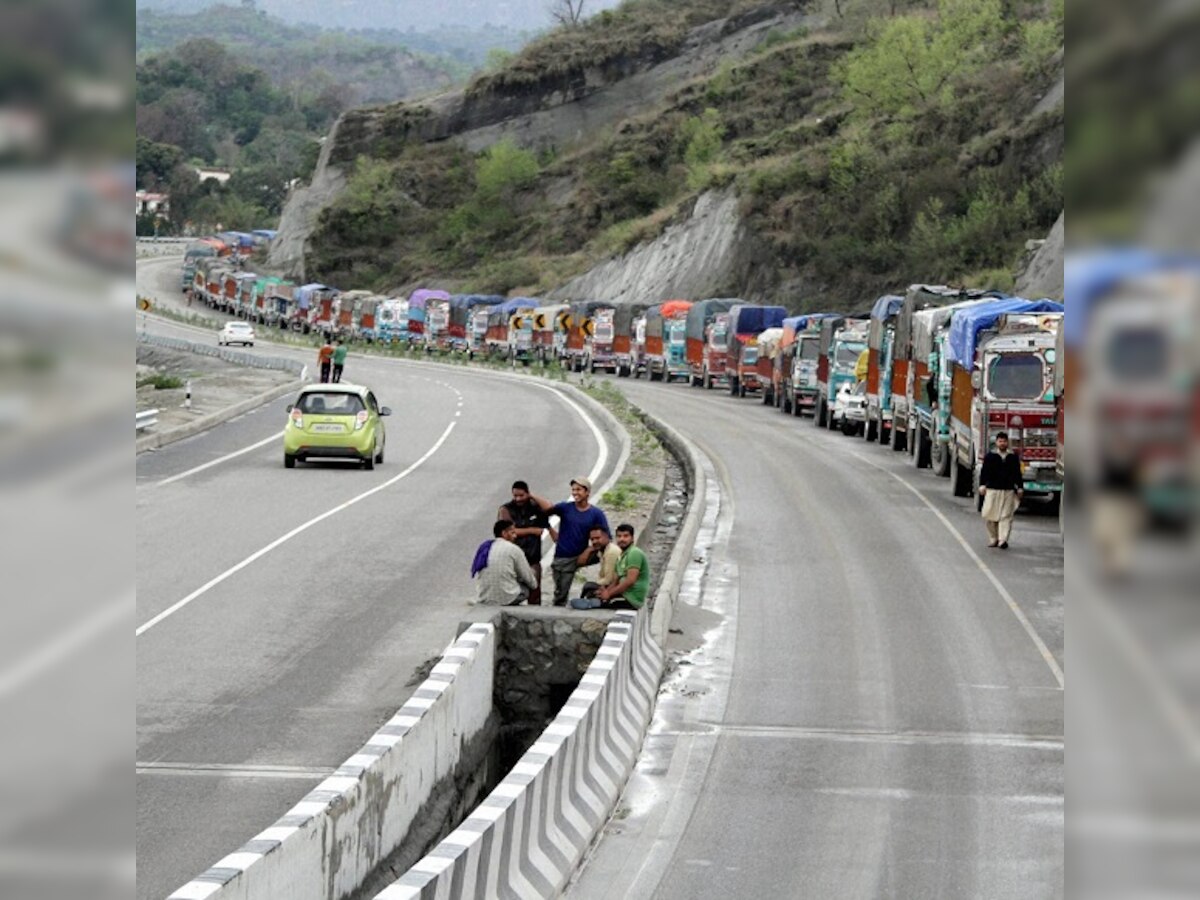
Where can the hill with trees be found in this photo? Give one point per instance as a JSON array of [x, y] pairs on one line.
[[876, 143]]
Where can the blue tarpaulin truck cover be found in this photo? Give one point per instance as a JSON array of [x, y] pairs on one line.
[[969, 321], [753, 320]]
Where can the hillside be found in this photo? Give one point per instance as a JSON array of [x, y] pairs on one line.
[[779, 150], [371, 68]]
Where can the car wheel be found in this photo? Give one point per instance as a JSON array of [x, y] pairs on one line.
[[848, 427], [379, 457], [289, 461], [369, 462]]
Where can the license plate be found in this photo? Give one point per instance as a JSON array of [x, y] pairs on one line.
[[327, 428]]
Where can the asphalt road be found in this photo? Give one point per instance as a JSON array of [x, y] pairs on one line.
[[875, 709], [278, 668], [866, 716]]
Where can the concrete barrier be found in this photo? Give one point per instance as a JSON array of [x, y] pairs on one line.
[[329, 842], [237, 357], [529, 835]]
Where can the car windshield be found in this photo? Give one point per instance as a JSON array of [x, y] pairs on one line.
[[237, 326], [847, 354], [1015, 376], [331, 403]]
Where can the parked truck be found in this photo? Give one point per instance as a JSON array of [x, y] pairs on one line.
[[665, 347], [706, 342], [928, 417], [580, 327], [549, 335], [746, 322], [393, 320], [599, 340], [622, 342], [768, 352], [794, 374], [520, 327], [840, 342], [903, 367], [1001, 355], [881, 335]]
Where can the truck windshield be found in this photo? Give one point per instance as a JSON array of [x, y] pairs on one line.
[[1138, 354], [809, 350], [717, 338], [847, 354], [1015, 376], [678, 332], [750, 355], [604, 333]]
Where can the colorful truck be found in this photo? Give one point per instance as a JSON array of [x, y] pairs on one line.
[[794, 374], [746, 322], [665, 346], [428, 316], [928, 419], [280, 304], [1001, 368], [549, 332], [521, 327], [580, 325], [393, 320], [478, 309], [700, 332], [622, 343], [840, 342], [903, 366], [881, 334], [599, 339], [768, 353]]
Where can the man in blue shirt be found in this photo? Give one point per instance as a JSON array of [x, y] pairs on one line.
[[577, 517]]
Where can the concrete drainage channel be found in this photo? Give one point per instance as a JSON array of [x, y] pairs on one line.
[[501, 769]]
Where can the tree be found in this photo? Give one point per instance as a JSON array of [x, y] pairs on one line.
[[155, 162], [567, 13], [911, 63]]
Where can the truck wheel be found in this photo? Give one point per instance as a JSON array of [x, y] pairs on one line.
[[707, 380], [939, 458], [733, 385], [921, 454], [897, 439], [822, 415], [768, 397], [960, 477], [871, 430]]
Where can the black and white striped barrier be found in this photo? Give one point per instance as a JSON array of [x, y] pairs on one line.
[[529, 835], [238, 357], [329, 842]]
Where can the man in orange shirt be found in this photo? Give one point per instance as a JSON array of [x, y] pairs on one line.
[[325, 359]]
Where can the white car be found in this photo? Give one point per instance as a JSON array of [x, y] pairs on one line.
[[850, 408], [236, 333]]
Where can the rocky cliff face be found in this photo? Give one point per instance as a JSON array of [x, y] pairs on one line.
[[1043, 274], [707, 254], [556, 110]]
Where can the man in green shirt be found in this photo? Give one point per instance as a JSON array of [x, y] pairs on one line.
[[339, 360], [633, 575]]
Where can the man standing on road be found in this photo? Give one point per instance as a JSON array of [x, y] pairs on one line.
[[506, 580], [633, 578], [576, 517], [530, 522], [1001, 485], [339, 360], [325, 360]]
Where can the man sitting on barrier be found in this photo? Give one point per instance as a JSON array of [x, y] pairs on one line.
[[633, 578], [505, 578]]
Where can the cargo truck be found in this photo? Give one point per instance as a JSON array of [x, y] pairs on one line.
[[698, 333], [1001, 356], [881, 334], [746, 322], [840, 342]]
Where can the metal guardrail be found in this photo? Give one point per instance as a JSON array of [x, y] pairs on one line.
[[147, 418]]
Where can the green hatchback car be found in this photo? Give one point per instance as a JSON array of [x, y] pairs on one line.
[[340, 421]]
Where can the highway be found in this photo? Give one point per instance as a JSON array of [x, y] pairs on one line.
[[867, 715], [275, 670], [877, 705]]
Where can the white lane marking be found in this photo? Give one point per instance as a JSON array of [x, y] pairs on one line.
[[214, 462], [1042, 649], [226, 770], [258, 554], [61, 648]]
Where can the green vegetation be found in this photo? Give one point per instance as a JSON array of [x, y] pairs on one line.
[[161, 382], [624, 494], [894, 146]]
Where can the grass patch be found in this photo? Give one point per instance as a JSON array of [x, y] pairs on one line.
[[161, 382]]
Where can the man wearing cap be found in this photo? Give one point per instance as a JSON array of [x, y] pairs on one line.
[[577, 517]]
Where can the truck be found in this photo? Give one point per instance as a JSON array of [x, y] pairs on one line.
[[599, 340], [191, 255], [520, 327], [840, 342], [881, 334], [768, 353], [700, 333], [794, 373], [903, 366], [280, 304], [1136, 416], [478, 309], [622, 343], [580, 325], [1001, 362], [393, 320], [349, 311], [665, 345], [428, 316], [316, 308], [746, 322], [928, 418]]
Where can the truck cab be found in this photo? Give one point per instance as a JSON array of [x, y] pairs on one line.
[[742, 366], [599, 352], [803, 375], [716, 348], [675, 334]]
